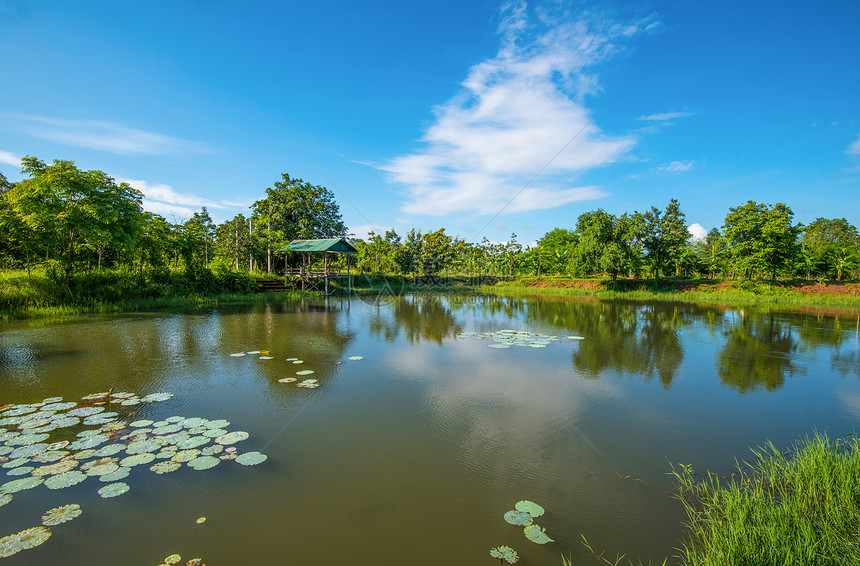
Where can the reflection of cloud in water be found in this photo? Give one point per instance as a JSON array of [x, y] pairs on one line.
[[513, 423], [851, 401]]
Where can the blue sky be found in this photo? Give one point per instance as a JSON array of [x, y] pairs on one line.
[[482, 117]]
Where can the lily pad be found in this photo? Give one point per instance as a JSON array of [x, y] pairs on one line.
[[141, 423], [4, 499], [165, 467], [64, 480], [251, 458], [537, 534], [55, 469], [232, 437], [20, 471], [172, 559], [288, 380], [356, 358], [218, 423], [211, 450], [505, 553], [298, 361], [100, 467], [194, 422], [33, 537], [267, 357], [15, 486], [305, 372], [121, 473], [519, 518], [89, 442], [576, 337], [137, 459], [157, 397], [61, 514], [238, 354], [204, 462], [529, 507], [109, 450], [29, 451], [113, 489], [168, 429], [85, 411], [193, 442], [186, 455]]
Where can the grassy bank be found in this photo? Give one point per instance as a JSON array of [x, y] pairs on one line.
[[798, 508], [42, 295], [795, 292]]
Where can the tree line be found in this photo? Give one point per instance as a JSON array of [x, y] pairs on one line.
[[69, 220]]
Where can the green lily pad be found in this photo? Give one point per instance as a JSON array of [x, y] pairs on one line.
[[141, 423], [137, 459], [305, 372], [29, 451], [168, 429], [194, 422], [15, 486], [165, 467], [109, 450], [218, 423], [232, 437], [89, 442], [33, 537], [204, 462], [186, 455], [537, 534], [193, 442], [61, 514], [529, 507], [113, 489], [55, 469], [85, 411], [64, 480], [505, 553], [16, 463], [156, 397], [519, 518], [4, 499], [355, 358], [20, 471], [298, 361], [251, 458], [211, 450], [121, 473], [141, 446]]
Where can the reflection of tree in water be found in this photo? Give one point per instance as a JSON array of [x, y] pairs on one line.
[[758, 352], [416, 317]]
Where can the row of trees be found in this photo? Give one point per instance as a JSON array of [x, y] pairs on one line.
[[756, 241], [75, 219]]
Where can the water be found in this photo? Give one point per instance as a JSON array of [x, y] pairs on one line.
[[414, 453]]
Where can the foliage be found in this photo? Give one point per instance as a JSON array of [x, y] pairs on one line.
[[761, 237], [664, 235], [789, 509]]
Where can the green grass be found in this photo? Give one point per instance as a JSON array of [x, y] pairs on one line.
[[106, 291], [801, 508]]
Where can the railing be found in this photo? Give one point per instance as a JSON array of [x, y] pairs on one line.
[[299, 272]]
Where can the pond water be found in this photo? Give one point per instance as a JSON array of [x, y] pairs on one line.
[[413, 453]]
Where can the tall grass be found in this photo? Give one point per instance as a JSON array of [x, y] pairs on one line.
[[799, 508]]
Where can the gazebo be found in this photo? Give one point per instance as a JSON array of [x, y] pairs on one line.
[[328, 247]]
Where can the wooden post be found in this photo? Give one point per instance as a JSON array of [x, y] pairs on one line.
[[348, 277]]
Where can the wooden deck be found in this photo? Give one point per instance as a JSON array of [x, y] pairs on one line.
[[318, 279]]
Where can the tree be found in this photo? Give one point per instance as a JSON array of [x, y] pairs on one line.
[[605, 243], [72, 207], [831, 244], [554, 250], [761, 237], [665, 235]]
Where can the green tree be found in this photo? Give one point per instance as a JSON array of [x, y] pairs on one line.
[[831, 245], [74, 208], [665, 235], [761, 237], [606, 243]]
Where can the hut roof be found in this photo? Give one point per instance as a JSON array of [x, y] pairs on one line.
[[331, 245]]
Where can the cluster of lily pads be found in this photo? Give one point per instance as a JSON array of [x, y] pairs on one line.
[[176, 559], [523, 515], [309, 383], [59, 444], [503, 339]]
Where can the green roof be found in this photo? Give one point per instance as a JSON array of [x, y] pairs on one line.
[[333, 245]]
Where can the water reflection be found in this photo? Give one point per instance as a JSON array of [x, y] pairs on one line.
[[416, 318]]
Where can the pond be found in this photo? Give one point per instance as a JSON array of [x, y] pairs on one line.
[[430, 417]]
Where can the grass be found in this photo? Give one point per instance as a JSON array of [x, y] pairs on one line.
[[789, 509], [107, 291]]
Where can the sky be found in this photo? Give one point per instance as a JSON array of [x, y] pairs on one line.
[[486, 118]]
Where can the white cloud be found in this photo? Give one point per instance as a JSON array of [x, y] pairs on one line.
[[102, 136], [697, 230], [364, 230], [162, 199], [520, 114], [665, 116], [9, 159], [854, 148], [675, 167]]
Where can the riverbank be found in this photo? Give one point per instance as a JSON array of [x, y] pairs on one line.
[[37, 295], [794, 292]]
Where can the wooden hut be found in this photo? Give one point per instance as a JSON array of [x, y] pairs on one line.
[[328, 247]]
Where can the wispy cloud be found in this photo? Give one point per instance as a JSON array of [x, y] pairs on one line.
[[665, 116], [697, 230], [9, 159], [103, 136], [675, 167], [162, 199], [854, 148], [516, 113]]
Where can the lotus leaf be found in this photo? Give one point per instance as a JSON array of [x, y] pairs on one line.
[[160, 423], [164, 455], [66, 422], [86, 433], [9, 545], [251, 458], [65, 479], [254, 352], [186, 455], [195, 421], [49, 456], [141, 423], [98, 420], [238, 354], [137, 459], [113, 489], [157, 397], [33, 537], [95, 396], [109, 450], [218, 423], [215, 432], [505, 553], [172, 559], [29, 451], [85, 411], [165, 467], [204, 462], [121, 473], [519, 518], [232, 437], [211, 450], [52, 400], [131, 402], [8, 421], [4, 499], [16, 462], [84, 454], [21, 471], [227, 456], [114, 426], [61, 514], [89, 442], [288, 380], [354, 358], [141, 446], [201, 520], [499, 346], [100, 467], [28, 439], [193, 442], [305, 372], [5, 450], [58, 468], [537, 534], [576, 337], [267, 357], [19, 410], [168, 429], [529, 507], [298, 361]]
